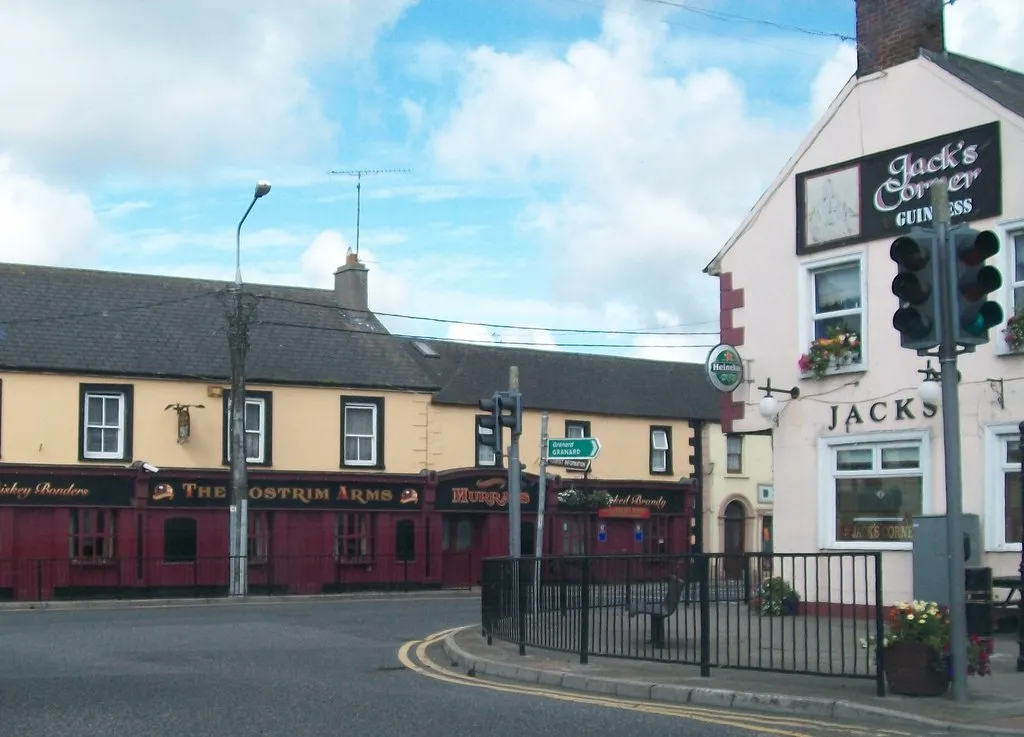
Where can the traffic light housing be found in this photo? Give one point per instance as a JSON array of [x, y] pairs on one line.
[[916, 286], [976, 314], [510, 415], [488, 427]]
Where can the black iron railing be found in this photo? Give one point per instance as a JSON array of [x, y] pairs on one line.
[[788, 613], [40, 579]]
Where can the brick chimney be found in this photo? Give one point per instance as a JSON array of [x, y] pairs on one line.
[[891, 32], [350, 284]]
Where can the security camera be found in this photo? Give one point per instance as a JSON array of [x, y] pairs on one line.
[[150, 468]]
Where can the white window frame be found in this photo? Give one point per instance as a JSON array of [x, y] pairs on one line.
[[1006, 263], [570, 426], [482, 449], [121, 414], [262, 404], [373, 445], [994, 507], [827, 491], [655, 468], [738, 438], [805, 284]]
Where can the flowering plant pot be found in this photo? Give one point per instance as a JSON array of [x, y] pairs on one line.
[[914, 668], [839, 348], [1013, 333]]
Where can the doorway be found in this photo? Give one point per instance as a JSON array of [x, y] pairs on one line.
[[734, 540], [461, 538]]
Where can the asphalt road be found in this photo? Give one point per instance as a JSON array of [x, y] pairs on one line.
[[294, 669]]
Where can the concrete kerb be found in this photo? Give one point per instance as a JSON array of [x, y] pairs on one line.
[[95, 604], [799, 706]]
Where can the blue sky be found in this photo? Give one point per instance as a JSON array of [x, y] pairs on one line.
[[572, 163]]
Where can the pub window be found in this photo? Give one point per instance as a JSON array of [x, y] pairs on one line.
[[181, 540], [1017, 284], [734, 454], [259, 536], [91, 535], [257, 420], [656, 535], [836, 304], [577, 429], [362, 432], [354, 537], [105, 422], [1002, 455], [405, 540], [661, 450], [877, 488]]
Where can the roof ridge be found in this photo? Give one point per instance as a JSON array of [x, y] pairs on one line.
[[528, 349]]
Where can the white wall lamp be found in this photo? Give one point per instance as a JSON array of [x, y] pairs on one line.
[[769, 406], [930, 390]]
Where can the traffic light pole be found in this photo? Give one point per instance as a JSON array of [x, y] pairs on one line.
[[515, 479], [948, 319]]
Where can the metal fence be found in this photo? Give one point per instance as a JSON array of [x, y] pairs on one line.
[[39, 579], [788, 613]]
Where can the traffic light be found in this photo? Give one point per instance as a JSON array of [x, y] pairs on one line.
[[975, 280], [916, 286], [510, 411], [488, 428]]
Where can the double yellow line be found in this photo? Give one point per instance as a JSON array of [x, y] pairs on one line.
[[413, 655]]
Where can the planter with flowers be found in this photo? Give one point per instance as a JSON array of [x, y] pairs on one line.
[[916, 657], [1013, 333], [582, 500], [840, 347]]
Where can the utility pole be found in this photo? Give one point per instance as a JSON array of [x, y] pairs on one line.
[[948, 320], [240, 315], [541, 498], [515, 474], [358, 174]]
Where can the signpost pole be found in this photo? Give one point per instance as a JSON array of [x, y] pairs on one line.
[[514, 479], [541, 494]]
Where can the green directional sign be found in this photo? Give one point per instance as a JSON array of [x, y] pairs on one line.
[[573, 448]]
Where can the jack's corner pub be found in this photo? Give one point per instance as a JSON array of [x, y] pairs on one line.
[[69, 532]]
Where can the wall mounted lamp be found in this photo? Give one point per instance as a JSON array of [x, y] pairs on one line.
[[930, 390], [769, 407]]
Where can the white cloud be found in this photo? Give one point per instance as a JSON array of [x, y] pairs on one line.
[[158, 89], [40, 223], [413, 112], [987, 29], [834, 73]]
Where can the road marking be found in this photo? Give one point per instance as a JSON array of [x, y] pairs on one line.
[[762, 723], [142, 605]]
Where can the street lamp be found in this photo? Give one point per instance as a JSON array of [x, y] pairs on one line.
[[238, 340]]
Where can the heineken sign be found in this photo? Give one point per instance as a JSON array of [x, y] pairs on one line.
[[725, 368]]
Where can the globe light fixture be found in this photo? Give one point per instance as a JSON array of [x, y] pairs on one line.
[[930, 392], [769, 406]]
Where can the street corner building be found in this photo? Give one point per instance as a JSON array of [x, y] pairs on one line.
[[364, 466], [858, 455]]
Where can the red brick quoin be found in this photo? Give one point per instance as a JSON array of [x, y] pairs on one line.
[[730, 299]]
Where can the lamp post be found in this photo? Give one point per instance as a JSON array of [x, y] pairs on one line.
[[238, 339], [1020, 569]]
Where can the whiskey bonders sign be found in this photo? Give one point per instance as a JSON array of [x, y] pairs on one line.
[[887, 193]]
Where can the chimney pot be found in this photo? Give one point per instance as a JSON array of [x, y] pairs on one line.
[[892, 32]]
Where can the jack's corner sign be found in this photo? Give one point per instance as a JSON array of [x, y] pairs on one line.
[[724, 367]]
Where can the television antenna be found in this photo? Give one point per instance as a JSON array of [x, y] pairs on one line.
[[359, 174]]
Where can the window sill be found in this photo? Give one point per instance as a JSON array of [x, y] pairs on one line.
[[1003, 548], [853, 368], [365, 563], [104, 459], [738, 476], [97, 563]]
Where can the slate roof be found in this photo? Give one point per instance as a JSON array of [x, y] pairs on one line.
[[573, 382], [1005, 86], [119, 324]]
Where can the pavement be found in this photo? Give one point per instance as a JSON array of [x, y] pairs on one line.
[[996, 703]]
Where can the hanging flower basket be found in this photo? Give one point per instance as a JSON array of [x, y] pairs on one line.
[[1014, 332], [840, 347], [582, 500]]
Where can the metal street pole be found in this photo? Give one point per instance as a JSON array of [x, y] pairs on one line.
[[541, 498], [238, 341], [951, 440], [1020, 569], [514, 479]]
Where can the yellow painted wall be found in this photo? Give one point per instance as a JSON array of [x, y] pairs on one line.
[[40, 424], [721, 487], [625, 443]]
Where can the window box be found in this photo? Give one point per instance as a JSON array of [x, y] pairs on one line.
[[837, 350]]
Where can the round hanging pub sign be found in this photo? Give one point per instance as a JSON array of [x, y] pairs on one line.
[[725, 368]]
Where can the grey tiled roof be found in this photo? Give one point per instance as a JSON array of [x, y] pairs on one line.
[[1005, 86], [573, 382], [110, 323]]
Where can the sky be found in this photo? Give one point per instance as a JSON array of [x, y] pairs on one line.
[[554, 173]]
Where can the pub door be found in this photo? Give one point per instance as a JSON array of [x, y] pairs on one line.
[[734, 543], [461, 543]]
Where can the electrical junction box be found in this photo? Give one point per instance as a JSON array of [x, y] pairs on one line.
[[931, 568]]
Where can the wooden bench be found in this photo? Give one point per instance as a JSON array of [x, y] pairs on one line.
[[661, 609]]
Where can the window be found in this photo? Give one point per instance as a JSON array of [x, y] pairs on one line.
[[405, 540], [577, 429], [485, 454], [257, 425], [181, 540], [1002, 483], [105, 422], [259, 537], [1017, 283], [875, 486], [354, 537], [574, 531], [661, 450], [834, 302], [362, 432], [734, 454], [91, 535], [657, 530]]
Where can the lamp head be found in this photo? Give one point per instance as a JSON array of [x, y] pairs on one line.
[[262, 188], [769, 408], [930, 393]]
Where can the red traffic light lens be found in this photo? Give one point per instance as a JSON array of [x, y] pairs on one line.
[[985, 245], [909, 253]]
